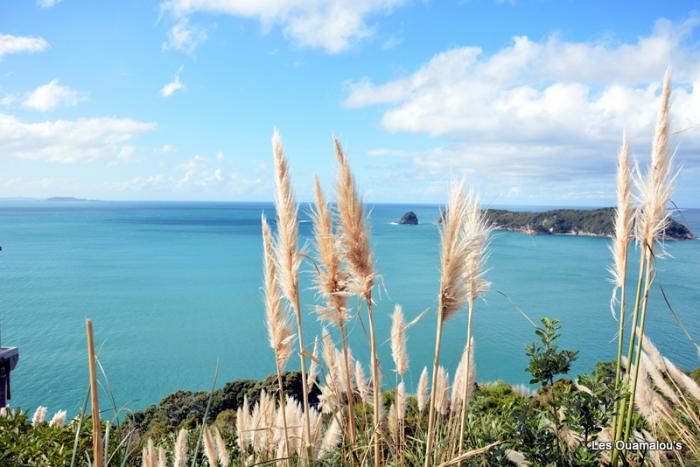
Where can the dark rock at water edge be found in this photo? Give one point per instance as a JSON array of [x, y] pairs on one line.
[[409, 218]]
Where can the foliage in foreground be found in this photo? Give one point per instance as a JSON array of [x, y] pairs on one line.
[[554, 425]]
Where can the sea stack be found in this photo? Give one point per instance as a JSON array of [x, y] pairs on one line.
[[409, 218]]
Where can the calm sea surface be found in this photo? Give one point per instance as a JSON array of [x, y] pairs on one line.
[[173, 288]]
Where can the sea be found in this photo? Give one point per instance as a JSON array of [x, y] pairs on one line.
[[174, 292]]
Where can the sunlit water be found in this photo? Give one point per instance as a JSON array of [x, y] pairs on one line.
[[173, 288]]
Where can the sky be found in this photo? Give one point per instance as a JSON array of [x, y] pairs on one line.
[[178, 99]]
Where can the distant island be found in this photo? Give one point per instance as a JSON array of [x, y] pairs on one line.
[[583, 222], [67, 198], [409, 218]]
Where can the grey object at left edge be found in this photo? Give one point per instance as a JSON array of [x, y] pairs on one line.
[[9, 356]]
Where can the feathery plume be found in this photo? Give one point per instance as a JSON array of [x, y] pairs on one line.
[[455, 254], [331, 438], [242, 422], [331, 280], [4, 412], [221, 451], [162, 458], [401, 401], [180, 457], [682, 380], [279, 328], [462, 379], [393, 421], [422, 390], [58, 419], [398, 341], [442, 388], [624, 216], [361, 382], [356, 250], [39, 416], [477, 232], [656, 188], [289, 258], [287, 224], [210, 447], [150, 458]]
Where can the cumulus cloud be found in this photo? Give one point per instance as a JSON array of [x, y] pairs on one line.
[[175, 85], [50, 95], [333, 25], [68, 141], [184, 37], [541, 109], [10, 44]]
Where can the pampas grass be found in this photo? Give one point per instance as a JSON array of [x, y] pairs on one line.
[[180, 457], [422, 390], [456, 248], [331, 282], [289, 258], [655, 193], [477, 231], [279, 328], [357, 254]]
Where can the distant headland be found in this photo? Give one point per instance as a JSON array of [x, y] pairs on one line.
[[582, 222]]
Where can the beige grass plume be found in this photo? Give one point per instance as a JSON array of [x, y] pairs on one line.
[[331, 438], [401, 401], [455, 254], [58, 419], [287, 224], [210, 447], [624, 217], [221, 451], [180, 455], [442, 391], [356, 249], [422, 390], [477, 232], [361, 382], [39, 416], [279, 328], [398, 341], [331, 280], [656, 188]]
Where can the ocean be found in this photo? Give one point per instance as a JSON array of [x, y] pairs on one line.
[[174, 292]]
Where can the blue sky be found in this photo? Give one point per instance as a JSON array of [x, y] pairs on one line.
[[177, 100]]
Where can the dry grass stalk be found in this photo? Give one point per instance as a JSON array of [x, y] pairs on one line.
[[289, 259], [477, 232], [279, 329], [655, 192], [331, 282], [454, 257], [94, 398], [624, 217], [357, 254]]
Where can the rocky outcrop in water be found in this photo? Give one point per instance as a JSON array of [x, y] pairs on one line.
[[409, 218]]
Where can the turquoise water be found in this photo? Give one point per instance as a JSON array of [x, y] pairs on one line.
[[173, 288]]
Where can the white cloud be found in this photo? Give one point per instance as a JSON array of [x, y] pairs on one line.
[[175, 85], [126, 152], [333, 25], [10, 44], [538, 110], [47, 3], [50, 95], [219, 156], [184, 37], [166, 149], [68, 141]]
